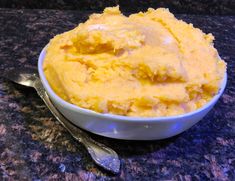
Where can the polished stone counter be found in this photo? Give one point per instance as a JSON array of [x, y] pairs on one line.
[[33, 145]]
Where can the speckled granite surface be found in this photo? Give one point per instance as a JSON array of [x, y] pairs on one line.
[[33, 146], [225, 7]]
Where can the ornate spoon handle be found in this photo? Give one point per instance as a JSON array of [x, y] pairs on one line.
[[102, 155]]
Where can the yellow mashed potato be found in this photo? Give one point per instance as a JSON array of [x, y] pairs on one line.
[[147, 64]]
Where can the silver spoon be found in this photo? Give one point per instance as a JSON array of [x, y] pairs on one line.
[[102, 155]]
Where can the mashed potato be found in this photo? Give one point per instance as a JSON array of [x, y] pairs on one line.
[[148, 64]]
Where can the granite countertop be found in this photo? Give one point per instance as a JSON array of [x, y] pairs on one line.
[[215, 7], [33, 145]]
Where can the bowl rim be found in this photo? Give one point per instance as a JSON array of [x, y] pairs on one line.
[[78, 109]]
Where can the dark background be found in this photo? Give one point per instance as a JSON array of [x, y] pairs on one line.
[[211, 7]]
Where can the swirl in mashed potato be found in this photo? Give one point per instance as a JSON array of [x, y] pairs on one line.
[[147, 64]]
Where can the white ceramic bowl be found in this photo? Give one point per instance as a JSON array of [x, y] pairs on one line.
[[124, 127]]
